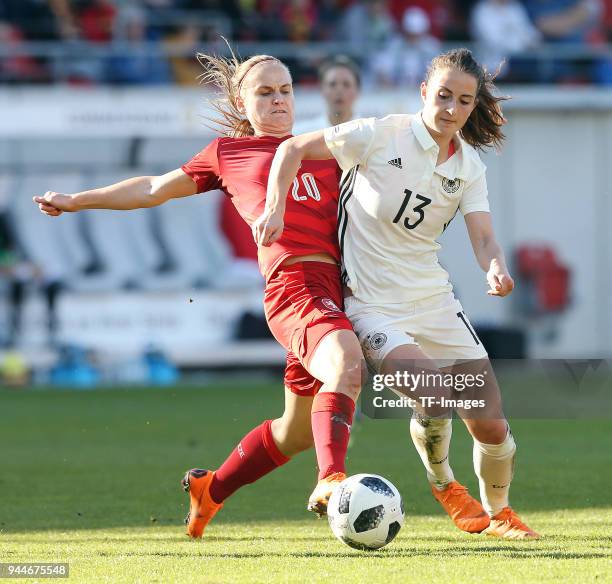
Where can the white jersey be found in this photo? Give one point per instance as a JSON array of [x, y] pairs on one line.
[[395, 202]]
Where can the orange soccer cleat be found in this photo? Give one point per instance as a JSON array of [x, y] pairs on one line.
[[322, 492], [201, 508], [466, 512], [507, 524]]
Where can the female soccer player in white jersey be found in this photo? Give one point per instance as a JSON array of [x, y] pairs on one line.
[[405, 177]]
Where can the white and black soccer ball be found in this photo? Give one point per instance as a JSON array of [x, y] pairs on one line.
[[365, 511]]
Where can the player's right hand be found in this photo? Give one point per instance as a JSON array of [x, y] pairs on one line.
[[267, 228], [54, 204]]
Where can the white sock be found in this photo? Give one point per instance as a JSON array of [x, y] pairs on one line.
[[431, 437], [494, 466]]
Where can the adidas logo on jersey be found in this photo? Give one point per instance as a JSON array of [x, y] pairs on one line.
[[397, 162]]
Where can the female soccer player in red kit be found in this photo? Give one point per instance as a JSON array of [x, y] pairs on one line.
[[303, 292]]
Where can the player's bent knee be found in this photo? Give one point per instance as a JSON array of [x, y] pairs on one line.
[[338, 362], [345, 380], [490, 431], [350, 370], [354, 381]]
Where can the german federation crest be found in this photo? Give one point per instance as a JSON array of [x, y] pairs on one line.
[[451, 186], [377, 341]]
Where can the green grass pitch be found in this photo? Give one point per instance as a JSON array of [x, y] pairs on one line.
[[92, 478]]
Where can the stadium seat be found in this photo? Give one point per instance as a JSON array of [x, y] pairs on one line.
[[190, 229], [124, 241], [5, 191], [6, 153], [69, 153], [54, 244], [165, 154]]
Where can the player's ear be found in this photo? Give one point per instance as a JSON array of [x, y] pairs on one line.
[[423, 91], [240, 104]]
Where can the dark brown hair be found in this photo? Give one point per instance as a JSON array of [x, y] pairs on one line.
[[228, 74], [341, 61], [483, 128]]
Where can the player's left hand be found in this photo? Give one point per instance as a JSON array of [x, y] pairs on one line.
[[500, 282], [267, 228]]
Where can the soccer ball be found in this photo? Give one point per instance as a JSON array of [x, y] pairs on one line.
[[365, 511]]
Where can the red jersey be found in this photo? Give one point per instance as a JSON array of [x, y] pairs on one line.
[[240, 167]]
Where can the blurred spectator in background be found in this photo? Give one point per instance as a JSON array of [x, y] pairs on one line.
[[567, 21], [134, 63], [16, 274], [18, 67], [330, 13], [96, 20], [246, 28], [183, 40], [161, 5], [65, 20], [160, 14], [32, 20], [366, 24], [499, 26], [269, 24], [13, 279], [403, 61], [340, 81], [40, 20], [230, 8], [502, 28], [603, 68], [608, 19], [299, 18], [462, 9], [440, 13], [214, 17]]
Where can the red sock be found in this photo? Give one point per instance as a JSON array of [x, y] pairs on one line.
[[255, 456], [332, 416]]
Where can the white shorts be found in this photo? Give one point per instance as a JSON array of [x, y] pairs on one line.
[[438, 325]]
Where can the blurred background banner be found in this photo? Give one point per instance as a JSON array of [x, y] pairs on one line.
[[94, 91]]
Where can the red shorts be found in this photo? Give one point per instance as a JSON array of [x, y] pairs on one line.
[[302, 304]]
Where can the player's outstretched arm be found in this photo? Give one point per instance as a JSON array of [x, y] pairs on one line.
[[269, 226], [133, 193], [489, 253]]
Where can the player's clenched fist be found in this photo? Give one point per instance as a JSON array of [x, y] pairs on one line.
[[54, 204], [267, 228], [500, 283]]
